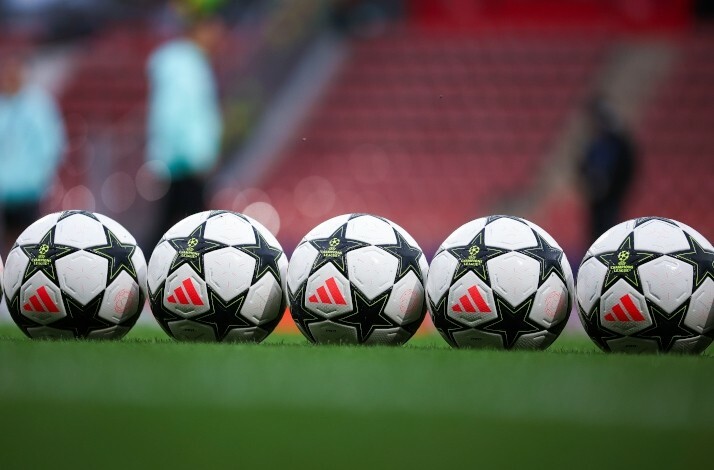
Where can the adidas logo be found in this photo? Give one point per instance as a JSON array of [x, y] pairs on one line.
[[471, 302], [185, 294], [328, 293], [41, 302], [618, 314]]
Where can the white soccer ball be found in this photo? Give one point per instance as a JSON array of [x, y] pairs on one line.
[[75, 274], [648, 285], [500, 282], [218, 276], [1, 276], [356, 279]]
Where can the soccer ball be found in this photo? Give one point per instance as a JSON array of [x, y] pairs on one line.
[[648, 285], [500, 282], [1, 272], [218, 276], [356, 279], [75, 274]]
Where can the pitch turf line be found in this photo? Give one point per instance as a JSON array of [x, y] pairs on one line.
[[170, 438], [158, 402]]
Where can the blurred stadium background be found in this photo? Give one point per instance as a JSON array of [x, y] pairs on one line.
[[430, 113]]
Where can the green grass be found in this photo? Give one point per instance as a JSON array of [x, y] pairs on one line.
[[148, 402]]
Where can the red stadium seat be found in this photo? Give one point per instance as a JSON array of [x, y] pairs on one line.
[[466, 119]]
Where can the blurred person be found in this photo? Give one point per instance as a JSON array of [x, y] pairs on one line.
[[607, 167], [32, 141], [184, 124]]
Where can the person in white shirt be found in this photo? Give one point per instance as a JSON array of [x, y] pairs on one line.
[[184, 122], [32, 143]]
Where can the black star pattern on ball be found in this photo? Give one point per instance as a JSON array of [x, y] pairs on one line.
[[161, 313], [266, 256], [218, 213], [548, 256], [190, 250], [644, 220], [118, 254], [66, 214], [333, 249], [43, 256], [493, 218], [709, 333], [666, 327], [224, 316], [473, 257], [302, 317], [407, 255], [701, 259], [512, 322], [443, 322], [623, 262], [594, 329], [367, 315], [356, 215], [13, 306], [82, 319]]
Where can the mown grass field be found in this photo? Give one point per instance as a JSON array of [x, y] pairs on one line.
[[149, 402]]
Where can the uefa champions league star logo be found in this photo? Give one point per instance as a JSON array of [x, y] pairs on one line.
[[41, 259], [190, 251], [622, 266], [332, 251], [472, 260]]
